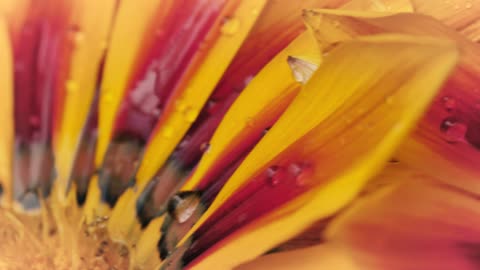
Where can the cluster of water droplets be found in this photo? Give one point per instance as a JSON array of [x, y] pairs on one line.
[[299, 172], [455, 128], [452, 128]]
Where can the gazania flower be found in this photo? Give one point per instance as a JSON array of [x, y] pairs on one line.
[[239, 134]]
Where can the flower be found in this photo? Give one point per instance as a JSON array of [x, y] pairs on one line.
[[245, 134]]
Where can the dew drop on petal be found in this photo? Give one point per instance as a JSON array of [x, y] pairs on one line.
[[183, 205], [77, 35], [273, 178], [468, 5], [242, 217], [230, 26], [212, 107], [249, 122], [449, 103], [204, 147], [180, 106], [294, 169], [453, 130], [302, 70], [303, 176]]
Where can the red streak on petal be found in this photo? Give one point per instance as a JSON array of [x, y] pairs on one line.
[[268, 190], [165, 58]]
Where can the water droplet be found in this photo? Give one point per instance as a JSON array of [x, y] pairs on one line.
[[180, 106], [79, 37], [204, 147], [249, 122], [183, 205], [71, 86], [190, 114], [304, 176], [230, 26], [273, 178], [242, 217], [255, 11], [265, 131], [457, 7], [212, 106], [294, 169], [468, 5], [449, 103], [76, 33], [302, 70], [167, 132], [453, 130]]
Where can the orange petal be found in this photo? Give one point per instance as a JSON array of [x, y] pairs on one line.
[[461, 15], [305, 149], [379, 5], [447, 135], [312, 258], [416, 223]]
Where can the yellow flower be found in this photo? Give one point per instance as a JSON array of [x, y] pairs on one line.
[[249, 134]]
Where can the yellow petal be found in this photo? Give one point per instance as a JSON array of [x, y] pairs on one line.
[[434, 145], [258, 106], [264, 99], [377, 105], [131, 22], [191, 94], [92, 22], [6, 114]]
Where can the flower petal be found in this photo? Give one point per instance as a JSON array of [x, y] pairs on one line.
[[258, 107], [185, 82], [371, 108], [461, 15], [379, 5], [312, 258], [278, 24], [40, 39], [416, 223], [78, 87], [6, 115], [454, 150]]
